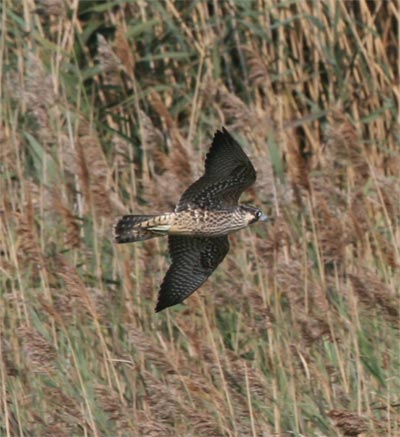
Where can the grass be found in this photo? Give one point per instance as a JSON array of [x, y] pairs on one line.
[[110, 107]]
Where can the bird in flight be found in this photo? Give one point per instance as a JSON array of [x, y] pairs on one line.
[[198, 228]]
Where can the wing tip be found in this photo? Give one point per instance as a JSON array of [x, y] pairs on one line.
[[169, 295], [162, 304], [158, 308], [223, 132]]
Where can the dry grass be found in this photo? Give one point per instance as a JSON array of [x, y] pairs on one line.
[[109, 107]]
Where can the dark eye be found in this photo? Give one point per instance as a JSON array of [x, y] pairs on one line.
[[258, 214]]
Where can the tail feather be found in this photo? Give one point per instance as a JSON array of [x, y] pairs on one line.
[[125, 229]]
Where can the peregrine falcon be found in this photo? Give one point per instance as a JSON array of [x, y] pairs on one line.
[[198, 228]]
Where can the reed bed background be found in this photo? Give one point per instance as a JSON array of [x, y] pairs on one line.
[[110, 107]]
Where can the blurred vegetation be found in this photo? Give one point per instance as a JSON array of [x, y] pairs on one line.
[[109, 107]]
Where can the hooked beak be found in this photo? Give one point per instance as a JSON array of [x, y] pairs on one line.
[[263, 218]]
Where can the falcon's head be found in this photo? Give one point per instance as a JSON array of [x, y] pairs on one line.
[[253, 214]]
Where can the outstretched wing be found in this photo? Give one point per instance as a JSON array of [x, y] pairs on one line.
[[193, 261], [228, 172]]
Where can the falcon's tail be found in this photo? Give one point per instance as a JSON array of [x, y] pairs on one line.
[[131, 228], [127, 229]]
